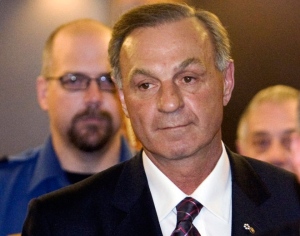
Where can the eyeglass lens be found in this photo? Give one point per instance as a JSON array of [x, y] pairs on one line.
[[80, 82]]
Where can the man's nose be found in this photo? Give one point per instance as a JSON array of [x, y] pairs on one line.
[[278, 154], [93, 94], [170, 98]]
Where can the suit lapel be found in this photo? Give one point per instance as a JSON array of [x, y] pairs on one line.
[[133, 196], [248, 194]]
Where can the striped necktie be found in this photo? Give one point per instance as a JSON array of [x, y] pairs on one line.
[[187, 210]]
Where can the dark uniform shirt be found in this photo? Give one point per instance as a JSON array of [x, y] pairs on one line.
[[29, 175]]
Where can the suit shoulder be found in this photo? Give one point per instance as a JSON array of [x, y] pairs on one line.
[[267, 168], [246, 170], [259, 166]]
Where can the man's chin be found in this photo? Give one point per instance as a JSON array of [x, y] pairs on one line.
[[89, 149], [90, 143], [92, 123]]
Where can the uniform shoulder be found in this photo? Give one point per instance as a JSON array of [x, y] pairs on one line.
[[3, 159], [101, 186], [20, 159]]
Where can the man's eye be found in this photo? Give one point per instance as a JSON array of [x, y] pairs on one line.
[[145, 86], [286, 142], [261, 145], [188, 79], [73, 81]]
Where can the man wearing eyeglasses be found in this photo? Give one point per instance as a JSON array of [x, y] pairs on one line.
[[76, 90]]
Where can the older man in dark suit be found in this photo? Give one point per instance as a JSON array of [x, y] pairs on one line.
[[174, 73]]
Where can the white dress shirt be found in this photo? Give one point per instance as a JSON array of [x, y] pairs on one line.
[[214, 194]]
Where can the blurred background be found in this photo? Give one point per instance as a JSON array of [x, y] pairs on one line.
[[265, 39]]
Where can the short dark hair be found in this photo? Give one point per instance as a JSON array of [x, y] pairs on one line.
[[79, 25], [154, 14]]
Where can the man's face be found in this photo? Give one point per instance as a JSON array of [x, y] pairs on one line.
[[87, 118], [172, 91], [269, 130], [295, 153]]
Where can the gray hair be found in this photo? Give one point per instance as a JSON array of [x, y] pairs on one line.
[[160, 13], [277, 94]]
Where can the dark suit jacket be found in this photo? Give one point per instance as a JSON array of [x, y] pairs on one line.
[[118, 202], [290, 229]]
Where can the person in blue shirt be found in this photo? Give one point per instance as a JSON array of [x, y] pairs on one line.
[[86, 121]]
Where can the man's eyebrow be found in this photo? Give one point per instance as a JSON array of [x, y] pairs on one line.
[[182, 65], [140, 72], [260, 133], [289, 131], [190, 61]]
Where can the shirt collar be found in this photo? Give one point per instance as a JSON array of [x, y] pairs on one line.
[[47, 167], [126, 150], [166, 195], [215, 191]]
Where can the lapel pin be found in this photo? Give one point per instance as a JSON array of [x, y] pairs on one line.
[[248, 227]]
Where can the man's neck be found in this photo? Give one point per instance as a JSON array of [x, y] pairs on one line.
[[188, 173]]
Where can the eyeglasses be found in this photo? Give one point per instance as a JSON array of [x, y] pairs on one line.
[[78, 81]]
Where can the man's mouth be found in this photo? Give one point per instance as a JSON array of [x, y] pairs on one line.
[[170, 127], [92, 119]]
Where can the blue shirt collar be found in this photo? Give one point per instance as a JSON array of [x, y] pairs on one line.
[[126, 151], [48, 166]]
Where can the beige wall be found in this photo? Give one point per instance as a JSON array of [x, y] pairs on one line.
[[266, 48], [24, 26]]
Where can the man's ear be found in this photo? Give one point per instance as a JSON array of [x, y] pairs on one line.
[[228, 82], [122, 99], [42, 92]]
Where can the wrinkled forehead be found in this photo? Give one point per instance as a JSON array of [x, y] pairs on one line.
[[186, 33], [273, 117], [192, 23]]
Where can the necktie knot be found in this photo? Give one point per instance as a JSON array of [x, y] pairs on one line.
[[187, 210]]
